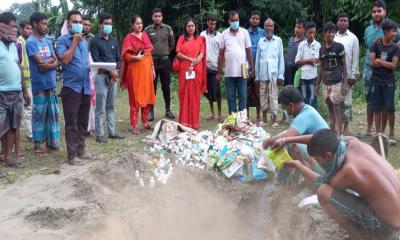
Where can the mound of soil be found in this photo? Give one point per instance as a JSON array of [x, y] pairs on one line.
[[103, 200]]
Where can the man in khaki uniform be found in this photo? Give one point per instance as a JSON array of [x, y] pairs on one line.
[[163, 41]]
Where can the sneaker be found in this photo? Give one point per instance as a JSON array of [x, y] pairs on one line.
[[116, 136], [168, 114], [75, 161], [100, 139]]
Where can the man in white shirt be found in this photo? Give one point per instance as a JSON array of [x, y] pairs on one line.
[[352, 50], [307, 58], [270, 68], [213, 42], [234, 49]]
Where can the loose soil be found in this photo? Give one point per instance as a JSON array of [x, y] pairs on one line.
[[103, 200]]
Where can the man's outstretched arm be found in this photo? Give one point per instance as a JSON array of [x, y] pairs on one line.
[[309, 175]]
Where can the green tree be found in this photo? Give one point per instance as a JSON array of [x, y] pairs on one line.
[[21, 10]]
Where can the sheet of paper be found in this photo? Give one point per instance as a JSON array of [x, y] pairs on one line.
[[190, 75]]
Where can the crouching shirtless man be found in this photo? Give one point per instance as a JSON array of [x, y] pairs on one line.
[[360, 189]]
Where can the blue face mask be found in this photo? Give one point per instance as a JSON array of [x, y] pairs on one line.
[[235, 25], [76, 28], [107, 29]]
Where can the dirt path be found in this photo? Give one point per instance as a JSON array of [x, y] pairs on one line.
[[103, 200]]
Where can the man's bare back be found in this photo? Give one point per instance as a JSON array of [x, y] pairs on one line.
[[367, 173]]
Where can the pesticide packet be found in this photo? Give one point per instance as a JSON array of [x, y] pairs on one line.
[[279, 157]]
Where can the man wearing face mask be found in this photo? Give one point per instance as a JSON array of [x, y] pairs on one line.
[[73, 52], [11, 85], [306, 120], [234, 49], [105, 48], [43, 63], [270, 68]]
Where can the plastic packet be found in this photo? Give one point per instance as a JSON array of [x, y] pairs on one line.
[[279, 157]]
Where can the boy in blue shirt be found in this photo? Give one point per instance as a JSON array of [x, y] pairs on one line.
[[43, 62], [384, 58]]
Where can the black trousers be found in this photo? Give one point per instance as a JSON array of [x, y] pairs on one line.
[[163, 70], [290, 71], [76, 108]]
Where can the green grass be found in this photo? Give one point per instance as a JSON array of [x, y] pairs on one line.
[[52, 162]]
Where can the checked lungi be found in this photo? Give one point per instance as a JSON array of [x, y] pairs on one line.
[[45, 120]]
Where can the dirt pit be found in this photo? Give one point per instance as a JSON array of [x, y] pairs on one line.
[[104, 200]]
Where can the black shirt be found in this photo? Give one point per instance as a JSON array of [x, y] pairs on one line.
[[103, 50], [332, 71], [381, 75]]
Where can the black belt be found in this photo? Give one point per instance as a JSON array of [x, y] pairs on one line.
[[158, 58]]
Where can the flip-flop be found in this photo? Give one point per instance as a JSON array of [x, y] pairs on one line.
[[220, 119], [14, 163], [392, 141], [40, 152], [21, 156], [147, 127], [210, 118], [275, 125]]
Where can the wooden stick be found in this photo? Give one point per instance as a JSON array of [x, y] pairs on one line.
[[381, 145]]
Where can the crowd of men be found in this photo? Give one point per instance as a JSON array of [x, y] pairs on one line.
[[252, 64]]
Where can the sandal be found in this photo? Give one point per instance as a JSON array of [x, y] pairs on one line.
[[275, 125], [21, 156], [135, 131], [40, 152], [392, 141], [210, 118], [147, 127], [14, 163]]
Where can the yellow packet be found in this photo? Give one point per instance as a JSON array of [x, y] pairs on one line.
[[279, 157]]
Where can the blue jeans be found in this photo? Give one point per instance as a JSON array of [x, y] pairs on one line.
[[236, 85], [308, 90], [105, 97]]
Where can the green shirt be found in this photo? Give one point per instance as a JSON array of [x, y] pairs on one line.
[[162, 39]]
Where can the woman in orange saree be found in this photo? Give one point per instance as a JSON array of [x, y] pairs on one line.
[[138, 73], [191, 49]]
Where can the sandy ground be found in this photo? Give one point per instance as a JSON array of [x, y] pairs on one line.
[[103, 200]]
